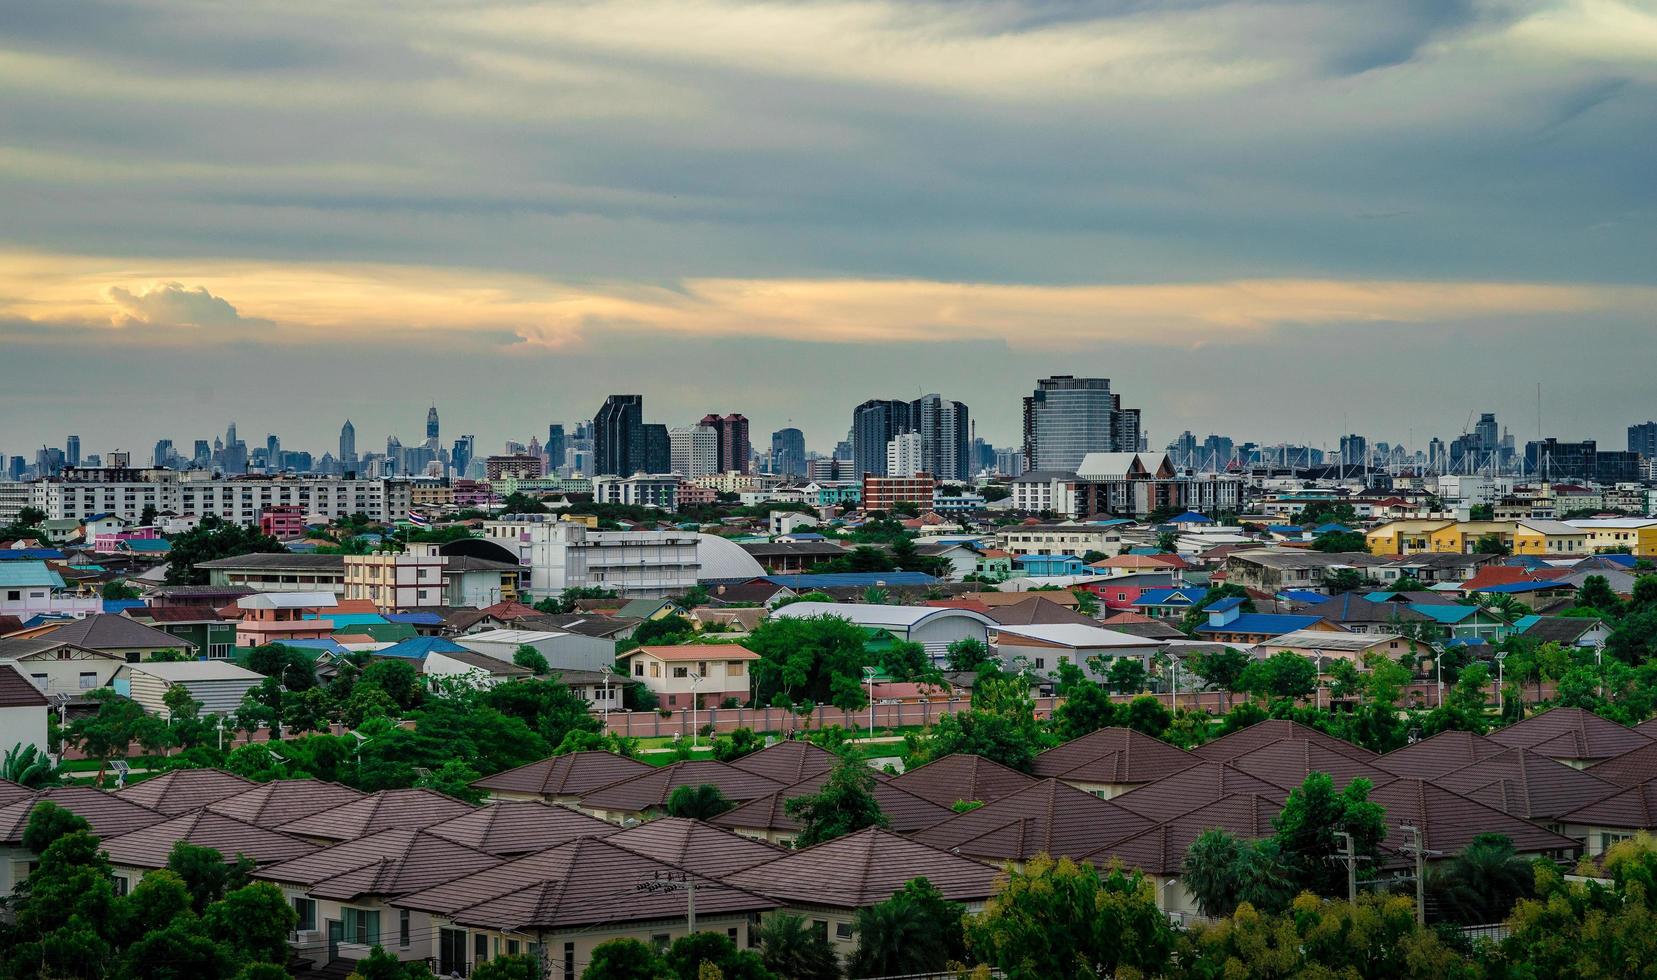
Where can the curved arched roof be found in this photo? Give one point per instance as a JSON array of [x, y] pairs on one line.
[[722, 558]]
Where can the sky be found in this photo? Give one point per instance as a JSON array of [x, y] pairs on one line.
[[1272, 220]]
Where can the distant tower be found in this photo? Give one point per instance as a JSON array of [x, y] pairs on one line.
[[72, 450], [431, 424], [348, 445]]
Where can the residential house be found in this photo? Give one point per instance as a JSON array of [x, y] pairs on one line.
[[1356, 614], [1048, 817], [57, 667], [1044, 648], [399, 581], [646, 794], [1571, 735], [699, 675], [181, 791], [275, 617], [958, 777], [1112, 761], [1170, 603], [206, 630], [477, 670], [283, 801], [1228, 623], [23, 710], [218, 685], [135, 854], [389, 809], [1058, 539], [279, 572], [562, 779], [105, 813], [31, 588], [1573, 631], [120, 636], [1328, 645], [768, 819], [563, 649]]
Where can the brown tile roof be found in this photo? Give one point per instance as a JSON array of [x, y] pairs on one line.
[[957, 777], [110, 632], [788, 761], [183, 790], [17, 691], [1647, 728], [1560, 629], [1195, 787], [1570, 733], [864, 869], [695, 846], [1050, 817], [1036, 611], [1161, 849], [1266, 732], [588, 882], [905, 812], [399, 809], [696, 651], [108, 814], [178, 614], [284, 801], [391, 862], [1526, 784], [1449, 821], [11, 792], [564, 775], [1287, 763], [1113, 755], [511, 829], [1150, 629], [651, 789], [149, 847], [1634, 808], [1632, 768], [1435, 756], [1350, 608]]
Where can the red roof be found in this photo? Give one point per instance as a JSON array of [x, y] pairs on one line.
[[1510, 575]]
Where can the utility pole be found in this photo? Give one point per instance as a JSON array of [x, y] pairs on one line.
[[1416, 847], [1349, 857]]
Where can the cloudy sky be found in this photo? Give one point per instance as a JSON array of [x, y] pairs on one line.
[[1257, 218]]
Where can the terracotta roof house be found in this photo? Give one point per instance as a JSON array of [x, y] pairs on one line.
[[283, 801], [1195, 787], [561, 778], [1288, 762], [1433, 757], [788, 761], [1049, 817], [1632, 768], [830, 882], [11, 792], [1616, 817], [1359, 615], [697, 847], [350, 884], [144, 850], [119, 635], [1647, 728], [1036, 611], [568, 899], [183, 790], [1449, 821], [1525, 784], [767, 818], [958, 777], [1571, 735], [1264, 733], [647, 793], [1112, 761], [513, 829], [390, 809], [108, 814]]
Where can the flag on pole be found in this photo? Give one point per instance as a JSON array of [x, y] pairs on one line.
[[418, 519]]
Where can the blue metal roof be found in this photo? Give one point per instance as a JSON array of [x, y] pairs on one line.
[[851, 579], [417, 647], [1285, 529], [1226, 605], [1331, 528], [28, 574], [332, 646], [153, 545], [1268, 624], [351, 619], [1113, 522], [1464, 641], [1171, 597], [1191, 517], [1511, 588], [1307, 596], [30, 554], [1446, 614], [1038, 559], [415, 618], [113, 606]]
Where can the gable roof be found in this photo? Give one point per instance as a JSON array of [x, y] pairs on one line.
[[695, 846], [1113, 756], [788, 761], [107, 632], [588, 882], [1161, 849], [1434, 756], [695, 651], [958, 776], [149, 847], [1631, 768], [387, 863], [400, 809], [1195, 787], [1449, 821], [509, 829], [1351, 608], [904, 811], [1264, 624], [108, 814], [573, 774], [652, 789], [1560, 629], [1048, 817], [1633, 808], [17, 691], [1526, 784], [183, 790], [1289, 761], [1271, 730], [1570, 733], [866, 868], [283, 801]]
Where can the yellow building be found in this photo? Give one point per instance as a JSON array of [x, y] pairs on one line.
[[1548, 539], [1406, 537], [1637, 534], [1463, 537]]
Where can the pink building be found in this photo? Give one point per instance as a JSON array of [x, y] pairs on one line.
[[108, 544], [476, 494], [273, 617], [283, 522]]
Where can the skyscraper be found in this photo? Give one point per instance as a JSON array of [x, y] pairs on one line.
[[1067, 417], [555, 446], [734, 447], [431, 425], [946, 437], [460, 457], [1642, 439], [163, 454], [202, 456], [72, 450], [618, 436], [348, 446], [788, 452], [874, 424], [695, 450]]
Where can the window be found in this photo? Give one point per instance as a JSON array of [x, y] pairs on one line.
[[88, 680], [361, 926], [569, 961], [14, 595], [820, 926], [480, 948], [842, 930], [218, 651], [39, 679], [512, 947], [402, 927], [681, 672], [305, 909], [733, 668], [120, 883]]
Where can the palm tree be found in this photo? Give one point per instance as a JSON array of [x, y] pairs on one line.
[[875, 595], [791, 948], [27, 766], [1210, 871], [702, 802], [1482, 884]]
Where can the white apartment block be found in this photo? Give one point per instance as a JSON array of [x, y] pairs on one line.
[[904, 455], [694, 450], [237, 500], [557, 555], [641, 489], [398, 582]]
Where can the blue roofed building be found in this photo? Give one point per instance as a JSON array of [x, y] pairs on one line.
[[32, 588], [1044, 565], [1228, 623], [1168, 603]]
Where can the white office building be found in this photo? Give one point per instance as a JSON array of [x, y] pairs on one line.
[[557, 555], [694, 450]]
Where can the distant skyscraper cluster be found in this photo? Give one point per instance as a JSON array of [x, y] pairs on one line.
[[1067, 417], [931, 434]]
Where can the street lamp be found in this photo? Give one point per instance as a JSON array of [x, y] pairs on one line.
[[1501, 697], [604, 712], [1317, 702], [1599, 666], [869, 679], [695, 679]]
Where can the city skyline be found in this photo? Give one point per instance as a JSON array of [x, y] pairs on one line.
[[1186, 199]]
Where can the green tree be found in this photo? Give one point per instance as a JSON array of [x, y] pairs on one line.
[[1492, 544], [181, 950], [28, 767], [703, 802], [453, 778], [1148, 715], [1197, 615], [1595, 593], [1069, 920], [625, 959], [1127, 675], [1338, 542], [531, 659], [159, 897], [1222, 670], [47, 822], [1284, 674], [790, 947], [1376, 937], [917, 930], [740, 742], [1481, 884], [381, 965], [1222, 870], [109, 732], [1344, 580], [253, 922], [813, 660], [966, 654], [203, 871], [1087, 603], [845, 804], [398, 679], [999, 738], [667, 630], [212, 539], [1087, 708], [509, 968], [690, 958], [1307, 825]]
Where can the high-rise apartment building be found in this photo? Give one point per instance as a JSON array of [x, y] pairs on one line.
[[905, 455], [618, 436], [695, 450], [734, 447], [72, 450], [431, 425], [348, 445], [461, 456], [556, 444], [1067, 417], [874, 424], [788, 452], [946, 437], [1642, 439]]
